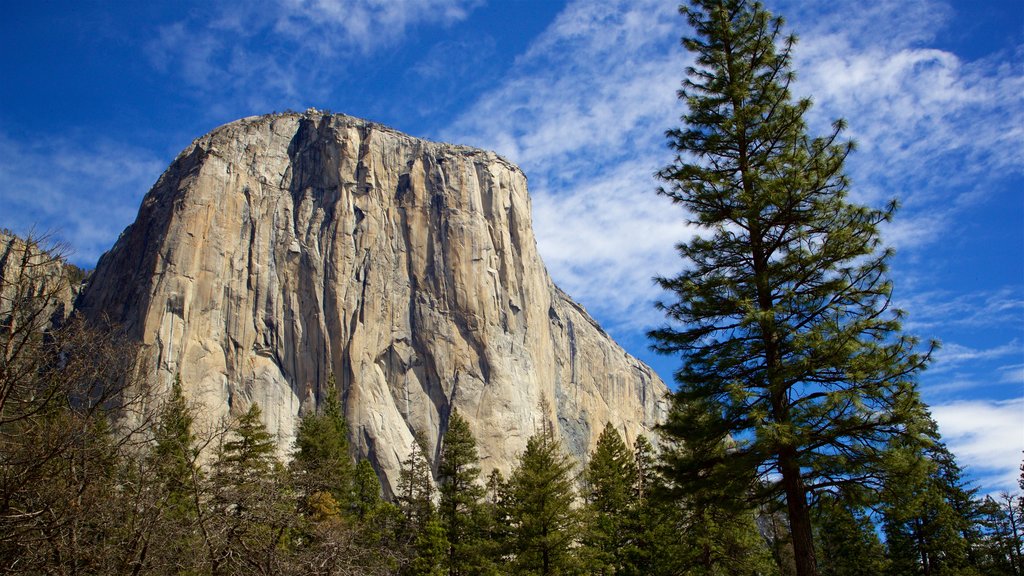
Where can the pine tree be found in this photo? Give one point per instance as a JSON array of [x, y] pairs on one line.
[[322, 462], [647, 511], [543, 523], [178, 477], [420, 532], [611, 481], [461, 510], [928, 513], [1001, 548], [431, 549], [380, 523], [790, 345], [415, 495], [848, 543], [366, 490], [174, 452], [712, 534], [252, 505]]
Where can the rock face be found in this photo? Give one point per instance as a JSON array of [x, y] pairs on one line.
[[277, 250], [36, 282]]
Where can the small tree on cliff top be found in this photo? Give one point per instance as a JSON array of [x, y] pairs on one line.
[[789, 342]]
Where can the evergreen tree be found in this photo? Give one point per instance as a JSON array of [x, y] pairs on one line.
[[421, 532], [611, 482], [495, 529], [1000, 550], [252, 506], [790, 345], [366, 490], [538, 504], [175, 452], [380, 522], [174, 468], [647, 511], [711, 534], [322, 462], [415, 496], [431, 550], [848, 544], [461, 511], [928, 513]]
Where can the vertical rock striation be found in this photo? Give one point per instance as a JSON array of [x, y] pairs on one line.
[[279, 249]]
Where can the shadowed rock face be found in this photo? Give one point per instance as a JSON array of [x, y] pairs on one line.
[[279, 249]]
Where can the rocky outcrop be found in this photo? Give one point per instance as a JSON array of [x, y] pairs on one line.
[[277, 250], [37, 286]]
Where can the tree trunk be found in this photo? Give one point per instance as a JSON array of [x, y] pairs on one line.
[[926, 564], [799, 515]]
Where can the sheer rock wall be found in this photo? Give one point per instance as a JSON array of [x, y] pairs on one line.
[[279, 249]]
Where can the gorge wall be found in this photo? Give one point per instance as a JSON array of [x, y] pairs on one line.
[[280, 249]]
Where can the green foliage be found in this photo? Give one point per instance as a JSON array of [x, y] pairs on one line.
[[175, 452], [848, 543], [611, 479], [431, 549], [252, 505], [928, 513], [707, 534], [538, 505], [461, 510], [322, 462], [248, 456], [1000, 552], [790, 345], [366, 490], [415, 493]]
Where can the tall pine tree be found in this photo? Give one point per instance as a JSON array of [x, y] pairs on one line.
[[612, 499], [322, 463], [783, 314], [847, 540], [461, 507], [252, 508], [538, 505], [928, 513]]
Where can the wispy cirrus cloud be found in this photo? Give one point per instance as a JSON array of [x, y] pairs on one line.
[[953, 354], [83, 191], [933, 130], [977, 309], [583, 112], [265, 52], [588, 104]]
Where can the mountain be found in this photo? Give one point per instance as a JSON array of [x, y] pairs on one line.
[[278, 250]]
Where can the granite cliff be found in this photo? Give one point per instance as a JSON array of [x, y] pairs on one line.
[[277, 250], [33, 269]]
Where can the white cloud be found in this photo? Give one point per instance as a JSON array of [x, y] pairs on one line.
[[933, 130], [583, 112], [987, 437], [85, 192], [266, 52], [934, 309], [953, 354], [1011, 374], [327, 25]]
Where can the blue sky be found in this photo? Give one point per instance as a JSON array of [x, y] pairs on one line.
[[96, 98]]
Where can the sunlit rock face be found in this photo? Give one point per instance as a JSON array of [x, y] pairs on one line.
[[278, 250], [37, 286]]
